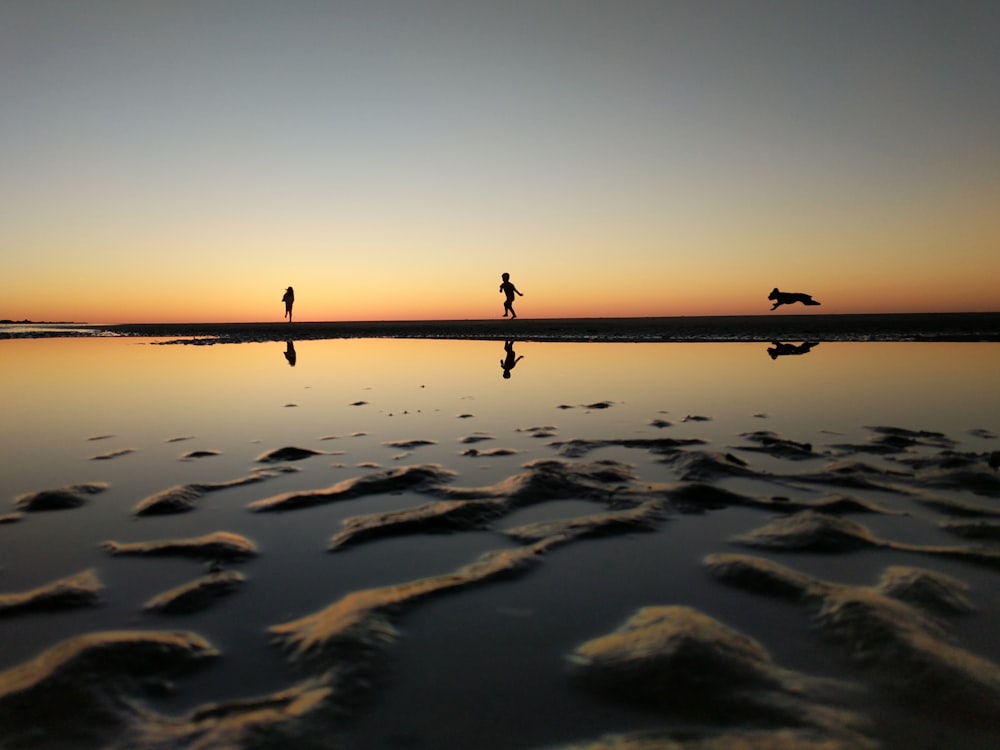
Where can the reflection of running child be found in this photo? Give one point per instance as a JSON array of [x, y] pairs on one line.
[[510, 290], [508, 362]]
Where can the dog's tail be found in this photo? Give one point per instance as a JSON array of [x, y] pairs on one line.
[[809, 301]]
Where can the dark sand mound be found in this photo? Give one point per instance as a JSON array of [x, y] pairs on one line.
[[409, 444], [81, 690], [776, 445], [980, 480], [645, 517], [708, 466], [61, 498], [279, 720], [477, 507], [677, 659], [893, 440], [817, 532], [288, 453], [552, 479], [696, 497], [204, 453], [891, 629], [488, 453], [220, 545], [359, 626], [478, 437], [540, 431], [113, 454], [441, 517], [579, 447], [385, 481], [183, 497], [927, 590], [80, 590], [197, 595]]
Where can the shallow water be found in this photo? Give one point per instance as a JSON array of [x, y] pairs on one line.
[[472, 668]]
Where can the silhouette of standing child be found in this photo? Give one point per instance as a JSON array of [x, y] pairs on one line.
[[510, 290], [289, 300]]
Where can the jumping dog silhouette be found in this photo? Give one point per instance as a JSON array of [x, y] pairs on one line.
[[787, 298]]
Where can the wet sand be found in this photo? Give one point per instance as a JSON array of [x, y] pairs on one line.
[[895, 327], [696, 680]]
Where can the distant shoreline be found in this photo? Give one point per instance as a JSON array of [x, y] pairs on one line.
[[750, 328]]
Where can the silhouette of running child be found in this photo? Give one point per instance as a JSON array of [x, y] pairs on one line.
[[506, 287], [508, 362], [289, 300]]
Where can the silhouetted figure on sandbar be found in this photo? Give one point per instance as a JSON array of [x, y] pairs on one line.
[[788, 298], [290, 353], [508, 362], [777, 349], [508, 288], [289, 300]]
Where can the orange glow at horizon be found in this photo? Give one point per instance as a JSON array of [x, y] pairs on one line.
[[709, 301], [548, 293]]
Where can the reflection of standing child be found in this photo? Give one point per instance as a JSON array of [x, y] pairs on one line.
[[288, 299], [510, 290]]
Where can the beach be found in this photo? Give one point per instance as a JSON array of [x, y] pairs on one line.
[[655, 533], [500, 376], [873, 327], [780, 327]]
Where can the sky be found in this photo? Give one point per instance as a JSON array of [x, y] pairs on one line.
[[389, 159]]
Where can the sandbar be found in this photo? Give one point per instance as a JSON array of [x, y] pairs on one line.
[[767, 328]]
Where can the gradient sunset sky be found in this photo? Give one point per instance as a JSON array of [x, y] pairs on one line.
[[186, 161]]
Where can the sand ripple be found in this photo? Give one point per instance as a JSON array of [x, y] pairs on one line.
[[197, 595], [679, 659], [80, 590], [80, 690], [389, 480], [817, 532], [891, 627], [61, 498], [183, 497], [220, 545]]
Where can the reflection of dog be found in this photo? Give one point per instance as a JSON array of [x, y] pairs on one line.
[[779, 349], [787, 298]]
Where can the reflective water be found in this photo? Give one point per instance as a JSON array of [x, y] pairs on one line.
[[128, 412]]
